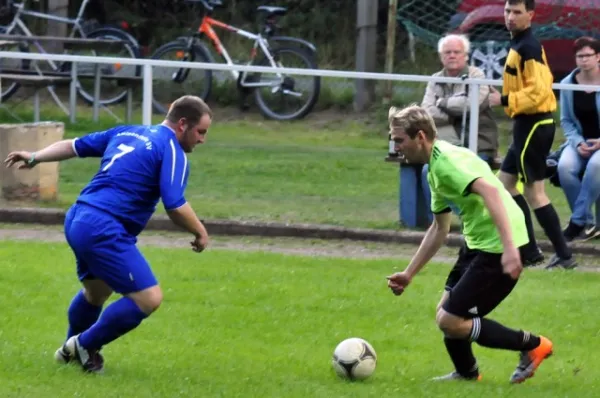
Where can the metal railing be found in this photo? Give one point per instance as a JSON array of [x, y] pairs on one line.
[[148, 64]]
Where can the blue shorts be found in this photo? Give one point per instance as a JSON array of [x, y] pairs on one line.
[[105, 251]]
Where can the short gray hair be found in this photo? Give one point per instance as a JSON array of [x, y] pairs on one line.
[[462, 38]]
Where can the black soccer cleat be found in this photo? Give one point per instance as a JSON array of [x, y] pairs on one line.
[[63, 356], [91, 361]]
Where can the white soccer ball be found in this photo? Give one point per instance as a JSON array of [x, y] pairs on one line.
[[354, 359]]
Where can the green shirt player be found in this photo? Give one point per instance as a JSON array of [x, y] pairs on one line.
[[489, 263]]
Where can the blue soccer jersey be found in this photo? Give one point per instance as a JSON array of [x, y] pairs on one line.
[[139, 166]]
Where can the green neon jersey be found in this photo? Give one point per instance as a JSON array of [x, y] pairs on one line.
[[452, 170]]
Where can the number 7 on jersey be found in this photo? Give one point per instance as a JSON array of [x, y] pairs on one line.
[[125, 149]]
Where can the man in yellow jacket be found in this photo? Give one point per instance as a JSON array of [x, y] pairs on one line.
[[527, 98]]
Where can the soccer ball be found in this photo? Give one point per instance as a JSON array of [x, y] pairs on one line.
[[354, 359]]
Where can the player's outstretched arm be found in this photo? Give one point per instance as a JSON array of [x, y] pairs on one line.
[[511, 259], [60, 150], [431, 243]]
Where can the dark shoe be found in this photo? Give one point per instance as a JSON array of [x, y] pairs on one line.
[[531, 260], [572, 231], [590, 232], [557, 262], [63, 356], [90, 360]]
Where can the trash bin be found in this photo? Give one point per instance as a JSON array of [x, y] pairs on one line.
[[414, 212]]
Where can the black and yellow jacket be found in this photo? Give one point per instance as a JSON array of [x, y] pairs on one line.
[[527, 77]]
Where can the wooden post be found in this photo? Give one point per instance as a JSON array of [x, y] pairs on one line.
[[390, 50], [39, 183], [366, 52], [57, 29]]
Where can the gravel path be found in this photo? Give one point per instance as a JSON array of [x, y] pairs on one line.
[[295, 246], [306, 247]]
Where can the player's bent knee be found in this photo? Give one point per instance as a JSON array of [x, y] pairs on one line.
[[148, 299], [451, 325]]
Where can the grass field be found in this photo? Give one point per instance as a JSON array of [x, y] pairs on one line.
[[265, 325], [327, 169]]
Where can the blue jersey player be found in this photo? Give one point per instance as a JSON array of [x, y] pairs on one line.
[[139, 165]]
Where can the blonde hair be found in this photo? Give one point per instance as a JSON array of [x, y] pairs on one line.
[[411, 120]]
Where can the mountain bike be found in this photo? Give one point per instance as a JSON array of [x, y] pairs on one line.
[[273, 92], [111, 92]]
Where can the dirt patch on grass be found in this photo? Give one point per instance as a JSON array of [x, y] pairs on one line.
[[291, 246], [297, 246]]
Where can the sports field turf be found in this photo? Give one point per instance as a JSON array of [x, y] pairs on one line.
[[265, 325]]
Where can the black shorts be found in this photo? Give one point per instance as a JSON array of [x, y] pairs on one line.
[[476, 284], [533, 136]]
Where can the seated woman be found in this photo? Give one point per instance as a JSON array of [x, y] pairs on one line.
[[579, 163]]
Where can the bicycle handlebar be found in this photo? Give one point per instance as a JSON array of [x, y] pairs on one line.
[[211, 4]]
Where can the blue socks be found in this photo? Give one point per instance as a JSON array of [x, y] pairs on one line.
[[120, 317], [82, 315]]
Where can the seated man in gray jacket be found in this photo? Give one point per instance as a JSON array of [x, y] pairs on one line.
[[447, 102]]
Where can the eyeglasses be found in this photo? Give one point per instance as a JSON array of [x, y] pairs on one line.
[[585, 56]]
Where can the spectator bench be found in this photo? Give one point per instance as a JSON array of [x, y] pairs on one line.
[[36, 81], [36, 78]]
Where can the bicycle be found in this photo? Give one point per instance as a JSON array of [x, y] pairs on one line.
[[131, 49], [191, 48]]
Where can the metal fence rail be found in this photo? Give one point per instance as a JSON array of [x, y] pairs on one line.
[[148, 64]]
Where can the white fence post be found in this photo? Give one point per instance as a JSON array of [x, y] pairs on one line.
[[147, 99], [473, 116]]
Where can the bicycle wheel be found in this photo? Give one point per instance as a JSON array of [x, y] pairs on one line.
[[9, 64], [170, 83], [111, 91], [287, 97]]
